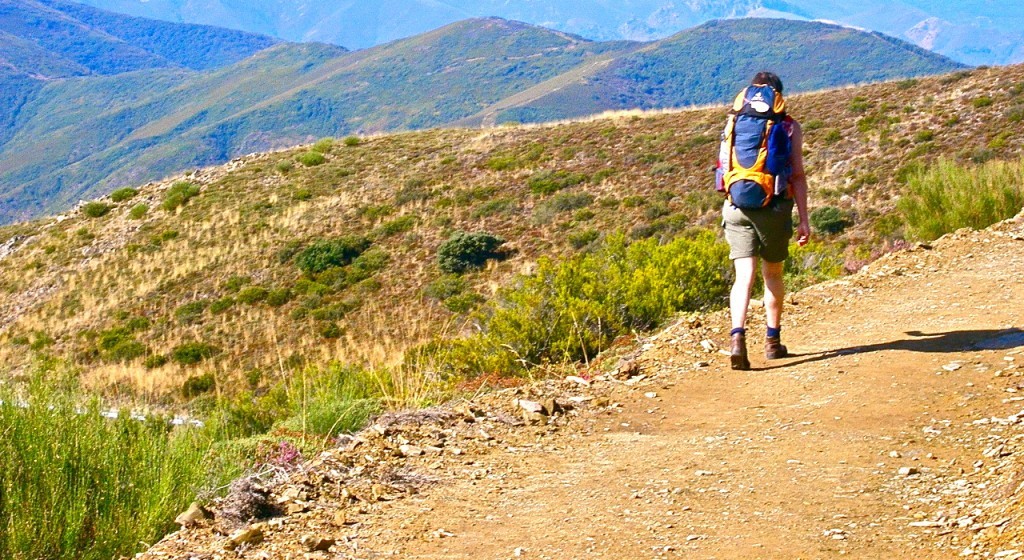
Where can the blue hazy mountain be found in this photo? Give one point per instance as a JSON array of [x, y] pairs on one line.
[[85, 135], [970, 31]]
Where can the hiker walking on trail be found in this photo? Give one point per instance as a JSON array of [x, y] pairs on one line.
[[761, 172]]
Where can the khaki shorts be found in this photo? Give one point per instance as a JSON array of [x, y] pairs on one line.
[[763, 232]]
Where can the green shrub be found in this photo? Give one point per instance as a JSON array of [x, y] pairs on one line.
[[447, 286], [813, 263], [492, 207], [829, 220], [323, 146], [279, 297], [907, 84], [945, 197], [325, 254], [813, 124], [138, 211], [352, 141], [155, 361], [571, 310], [252, 294], [235, 283], [312, 159], [197, 385], [191, 312], [285, 167], [466, 251], [832, 136], [119, 345], [222, 305], [552, 181], [375, 212], [924, 136], [191, 353], [463, 303], [859, 105], [96, 209], [331, 331], [982, 102], [396, 226], [121, 195], [179, 194], [580, 239]]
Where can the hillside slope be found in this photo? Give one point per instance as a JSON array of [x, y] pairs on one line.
[[177, 271], [702, 65], [972, 32], [75, 40], [892, 432]]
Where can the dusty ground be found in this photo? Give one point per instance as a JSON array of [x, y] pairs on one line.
[[894, 432]]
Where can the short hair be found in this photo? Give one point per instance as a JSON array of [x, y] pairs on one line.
[[767, 79]]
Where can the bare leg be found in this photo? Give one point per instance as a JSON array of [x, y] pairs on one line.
[[774, 293], [739, 298]]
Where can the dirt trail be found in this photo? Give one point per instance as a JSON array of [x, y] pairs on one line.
[[902, 366]]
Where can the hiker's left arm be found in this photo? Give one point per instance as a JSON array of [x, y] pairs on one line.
[[798, 180]]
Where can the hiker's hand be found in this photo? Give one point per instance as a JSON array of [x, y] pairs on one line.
[[803, 233]]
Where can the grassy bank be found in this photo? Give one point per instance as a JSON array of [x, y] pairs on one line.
[[947, 196]]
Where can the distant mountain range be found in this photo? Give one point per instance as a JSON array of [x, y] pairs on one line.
[[970, 31], [93, 125]]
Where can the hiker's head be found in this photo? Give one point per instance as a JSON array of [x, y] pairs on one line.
[[767, 79]]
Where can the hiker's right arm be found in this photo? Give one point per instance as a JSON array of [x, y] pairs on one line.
[[798, 181]]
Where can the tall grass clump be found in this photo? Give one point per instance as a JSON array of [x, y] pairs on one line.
[[946, 196], [570, 310], [74, 484]]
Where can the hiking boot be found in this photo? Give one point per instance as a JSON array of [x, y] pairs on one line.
[[773, 348], [738, 356]]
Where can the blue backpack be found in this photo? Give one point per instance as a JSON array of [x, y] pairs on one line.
[[753, 160]]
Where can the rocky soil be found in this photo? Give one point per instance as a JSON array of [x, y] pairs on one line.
[[895, 430]]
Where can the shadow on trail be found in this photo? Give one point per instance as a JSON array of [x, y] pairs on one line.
[[953, 341]]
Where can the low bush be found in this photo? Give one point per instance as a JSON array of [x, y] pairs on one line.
[[221, 305], [312, 159], [179, 194], [467, 251], [119, 345], [328, 253], [138, 211], [121, 195], [191, 353], [352, 141], [946, 196], [96, 209], [828, 220], [323, 146], [252, 294], [197, 385], [396, 226], [235, 283], [279, 297], [191, 312], [552, 181], [570, 310], [447, 286]]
